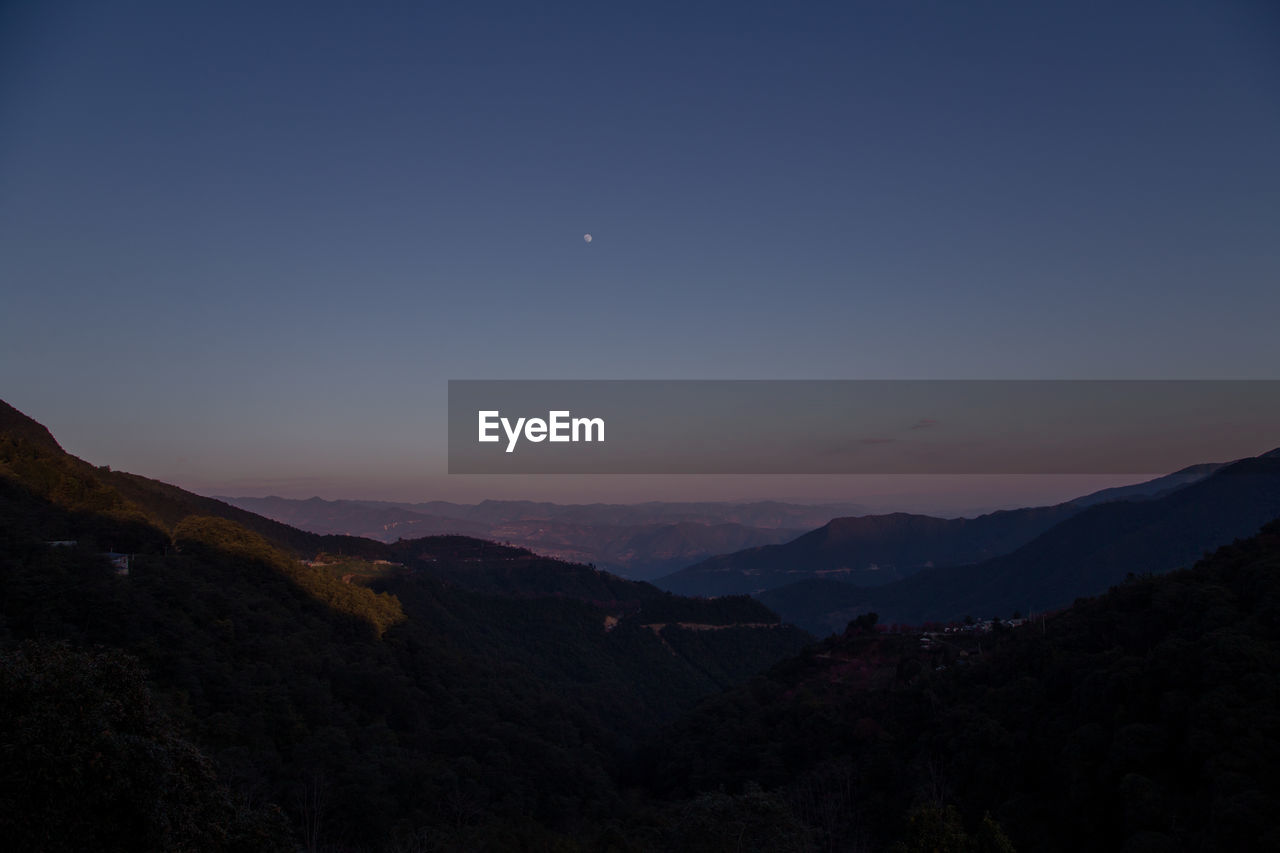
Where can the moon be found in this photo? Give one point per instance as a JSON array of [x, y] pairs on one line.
[[586, 237]]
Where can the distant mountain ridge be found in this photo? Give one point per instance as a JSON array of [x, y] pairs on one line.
[[764, 514], [869, 550], [1152, 488], [872, 550], [635, 540], [1082, 555]]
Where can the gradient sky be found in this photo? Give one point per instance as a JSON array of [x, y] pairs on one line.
[[244, 245]]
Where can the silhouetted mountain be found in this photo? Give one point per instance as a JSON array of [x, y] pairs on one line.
[[762, 514], [1083, 555], [879, 549], [867, 550], [638, 541], [820, 606], [18, 426], [1152, 488]]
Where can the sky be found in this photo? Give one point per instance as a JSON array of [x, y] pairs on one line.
[[243, 246]]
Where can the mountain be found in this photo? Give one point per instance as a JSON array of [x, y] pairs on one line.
[[635, 540], [821, 606], [879, 549], [763, 514], [1144, 719], [868, 550], [18, 427], [449, 690], [1083, 555], [1152, 488]]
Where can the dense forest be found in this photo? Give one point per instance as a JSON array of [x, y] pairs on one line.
[[248, 686]]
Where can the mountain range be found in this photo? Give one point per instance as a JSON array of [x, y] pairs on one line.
[[869, 550], [640, 541], [1093, 547]]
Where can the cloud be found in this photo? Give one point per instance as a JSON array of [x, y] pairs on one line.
[[925, 423]]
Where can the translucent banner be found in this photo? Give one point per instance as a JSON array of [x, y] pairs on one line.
[[856, 426]]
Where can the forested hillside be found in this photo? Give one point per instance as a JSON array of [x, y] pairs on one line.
[[1144, 719], [449, 691]]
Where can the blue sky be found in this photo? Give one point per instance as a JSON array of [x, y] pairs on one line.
[[244, 248]]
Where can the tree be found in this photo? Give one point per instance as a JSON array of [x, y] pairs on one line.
[[933, 828], [90, 764], [864, 624]]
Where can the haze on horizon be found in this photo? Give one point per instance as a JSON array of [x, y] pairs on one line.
[[242, 249], [944, 495]]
